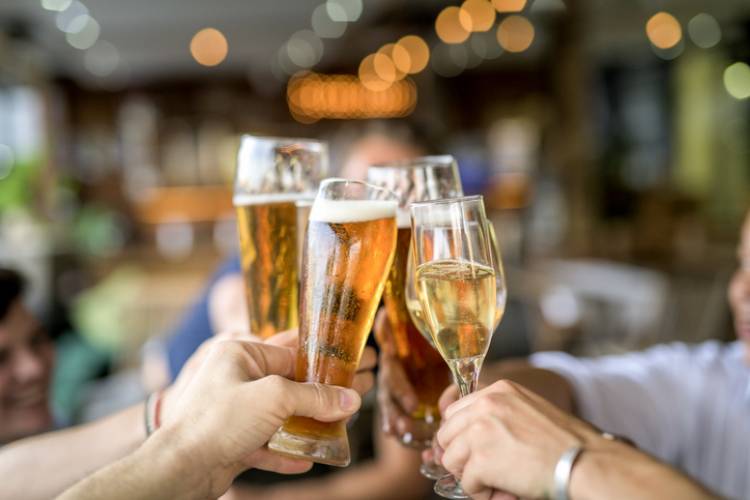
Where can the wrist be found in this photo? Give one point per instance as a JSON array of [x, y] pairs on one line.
[[588, 477], [181, 470]]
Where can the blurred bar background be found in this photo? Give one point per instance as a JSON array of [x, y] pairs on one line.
[[610, 139]]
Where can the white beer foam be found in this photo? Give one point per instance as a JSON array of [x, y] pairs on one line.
[[340, 211], [240, 200]]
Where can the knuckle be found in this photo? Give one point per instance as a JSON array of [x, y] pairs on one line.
[[505, 386]]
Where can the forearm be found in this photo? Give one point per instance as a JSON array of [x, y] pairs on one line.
[[159, 469], [43, 466], [549, 385], [618, 471]]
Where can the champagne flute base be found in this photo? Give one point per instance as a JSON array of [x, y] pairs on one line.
[[449, 487], [431, 470]]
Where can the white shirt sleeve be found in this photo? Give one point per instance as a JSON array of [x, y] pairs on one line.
[[637, 395]]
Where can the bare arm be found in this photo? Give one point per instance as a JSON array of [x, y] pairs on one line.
[[618, 471], [159, 469], [43, 466]]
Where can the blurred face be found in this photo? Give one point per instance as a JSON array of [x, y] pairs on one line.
[[26, 359], [739, 290], [375, 149]]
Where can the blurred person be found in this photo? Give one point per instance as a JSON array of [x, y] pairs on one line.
[[687, 405], [56, 460], [505, 440], [222, 305], [26, 361], [206, 442]]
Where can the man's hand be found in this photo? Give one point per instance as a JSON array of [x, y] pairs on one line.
[[396, 396], [363, 380], [237, 398], [505, 438]]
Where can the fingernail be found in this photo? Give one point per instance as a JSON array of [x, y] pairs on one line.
[[347, 399]]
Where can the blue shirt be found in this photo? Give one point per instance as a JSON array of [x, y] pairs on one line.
[[195, 326]]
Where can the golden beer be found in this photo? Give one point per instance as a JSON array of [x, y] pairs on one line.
[[347, 255], [268, 246], [459, 300], [274, 175], [424, 367]]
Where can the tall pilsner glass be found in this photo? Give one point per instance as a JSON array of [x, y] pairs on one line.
[[274, 176], [351, 239], [457, 289], [419, 179]]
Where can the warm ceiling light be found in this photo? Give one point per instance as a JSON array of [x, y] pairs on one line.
[[663, 30], [419, 54], [369, 77], [450, 27], [509, 5], [515, 33], [209, 47], [386, 66], [480, 14]]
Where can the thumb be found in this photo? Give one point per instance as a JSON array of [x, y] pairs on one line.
[[326, 403]]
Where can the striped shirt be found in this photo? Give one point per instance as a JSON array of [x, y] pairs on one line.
[[687, 405]]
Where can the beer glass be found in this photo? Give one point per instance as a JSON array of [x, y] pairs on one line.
[[424, 178], [349, 247], [273, 176], [432, 469], [456, 284]]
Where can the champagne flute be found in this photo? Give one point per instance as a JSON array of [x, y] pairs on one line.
[[456, 283], [431, 469]]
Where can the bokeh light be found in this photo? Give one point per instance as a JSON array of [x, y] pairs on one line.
[[737, 80], [369, 77], [509, 5], [86, 36], [344, 10], [419, 54], [304, 49], [515, 33], [102, 59], [70, 19], [384, 67], [449, 26], [477, 15], [209, 47], [443, 61], [485, 45], [704, 30], [663, 30], [324, 26], [313, 96], [385, 62], [56, 5]]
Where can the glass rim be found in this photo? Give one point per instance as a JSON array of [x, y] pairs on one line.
[[273, 138], [330, 180], [417, 162], [445, 201]]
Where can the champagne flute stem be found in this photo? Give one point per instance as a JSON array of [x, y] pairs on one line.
[[466, 373]]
